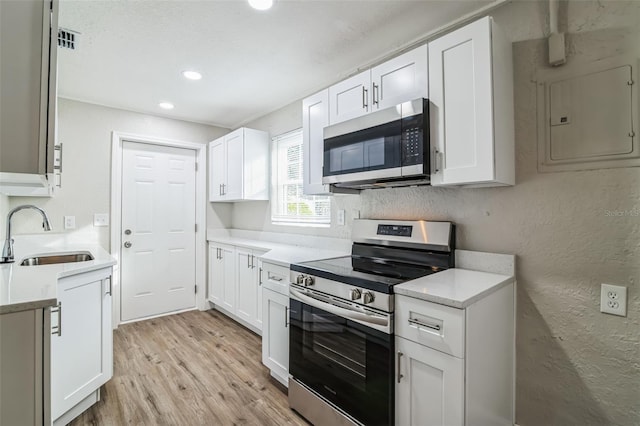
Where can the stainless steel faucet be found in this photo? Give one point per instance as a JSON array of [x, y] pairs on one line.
[[7, 250]]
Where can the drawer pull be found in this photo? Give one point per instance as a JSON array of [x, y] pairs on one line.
[[419, 323], [275, 278], [400, 375]]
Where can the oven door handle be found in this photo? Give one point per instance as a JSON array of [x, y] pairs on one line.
[[373, 319]]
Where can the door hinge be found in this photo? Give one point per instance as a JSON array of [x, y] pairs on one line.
[[195, 290], [196, 227]]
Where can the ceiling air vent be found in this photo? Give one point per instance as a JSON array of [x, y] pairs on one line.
[[68, 39]]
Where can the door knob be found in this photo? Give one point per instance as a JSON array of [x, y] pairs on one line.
[[127, 232], [127, 244]]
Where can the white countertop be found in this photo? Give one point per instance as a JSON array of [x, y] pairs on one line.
[[454, 287], [278, 253], [34, 287]]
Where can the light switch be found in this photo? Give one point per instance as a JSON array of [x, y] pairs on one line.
[[69, 222]]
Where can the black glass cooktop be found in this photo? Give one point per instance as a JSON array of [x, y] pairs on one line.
[[371, 273]]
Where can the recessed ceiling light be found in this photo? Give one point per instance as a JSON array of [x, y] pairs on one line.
[[261, 4], [192, 75], [165, 105]]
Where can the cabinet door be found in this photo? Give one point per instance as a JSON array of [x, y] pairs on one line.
[[350, 98], [275, 333], [216, 275], [82, 353], [247, 301], [429, 386], [217, 169], [228, 262], [25, 80], [315, 117], [460, 90], [400, 79], [21, 367], [234, 143]]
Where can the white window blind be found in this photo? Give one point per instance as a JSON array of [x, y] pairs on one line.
[[289, 205]]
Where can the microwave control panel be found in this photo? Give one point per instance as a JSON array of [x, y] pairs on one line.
[[412, 146]]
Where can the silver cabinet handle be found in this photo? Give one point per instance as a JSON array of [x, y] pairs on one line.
[[57, 329], [59, 166], [127, 232], [127, 244], [248, 261], [419, 323], [400, 376], [364, 97], [253, 262], [275, 278], [110, 286], [218, 253], [376, 92], [220, 189], [259, 276], [286, 316], [223, 191]]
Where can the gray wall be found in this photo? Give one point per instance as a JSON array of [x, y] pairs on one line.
[[575, 366], [85, 130]]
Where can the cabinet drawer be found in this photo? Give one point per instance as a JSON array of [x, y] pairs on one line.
[[430, 324], [275, 277]]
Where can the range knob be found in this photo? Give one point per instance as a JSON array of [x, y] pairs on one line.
[[354, 294], [299, 279], [307, 281], [368, 297]]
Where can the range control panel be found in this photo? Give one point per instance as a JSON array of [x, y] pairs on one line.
[[395, 230]]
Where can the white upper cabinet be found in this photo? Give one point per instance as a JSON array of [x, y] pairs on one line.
[[28, 76], [239, 166], [315, 117], [471, 94], [400, 79], [350, 98]]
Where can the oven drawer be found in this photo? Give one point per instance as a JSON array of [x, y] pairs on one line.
[[430, 324], [275, 277]]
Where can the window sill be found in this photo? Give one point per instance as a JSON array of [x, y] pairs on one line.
[[299, 224]]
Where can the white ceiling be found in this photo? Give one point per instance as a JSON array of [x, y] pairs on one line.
[[131, 53]]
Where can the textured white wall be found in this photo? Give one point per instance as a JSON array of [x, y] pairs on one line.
[[576, 366], [85, 130]]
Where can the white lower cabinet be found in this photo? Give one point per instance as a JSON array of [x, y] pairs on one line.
[[275, 334], [454, 366], [222, 276], [249, 289], [275, 320], [430, 386], [234, 283], [81, 344]]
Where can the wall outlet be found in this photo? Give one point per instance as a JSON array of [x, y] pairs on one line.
[[101, 219], [340, 217], [69, 222], [613, 299]]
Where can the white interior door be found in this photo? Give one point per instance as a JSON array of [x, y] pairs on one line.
[[158, 230]]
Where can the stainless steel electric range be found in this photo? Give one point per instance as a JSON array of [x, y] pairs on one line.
[[341, 319]]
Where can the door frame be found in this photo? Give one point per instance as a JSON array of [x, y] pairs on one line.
[[117, 140]]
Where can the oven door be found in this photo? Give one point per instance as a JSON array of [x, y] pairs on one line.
[[345, 362]]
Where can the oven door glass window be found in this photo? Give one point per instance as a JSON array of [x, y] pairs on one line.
[[347, 363], [365, 150]]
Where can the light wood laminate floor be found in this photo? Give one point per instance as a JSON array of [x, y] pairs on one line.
[[195, 368]]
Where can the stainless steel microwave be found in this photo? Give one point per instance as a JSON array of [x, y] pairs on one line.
[[389, 147]]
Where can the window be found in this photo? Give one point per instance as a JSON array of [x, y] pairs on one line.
[[289, 206]]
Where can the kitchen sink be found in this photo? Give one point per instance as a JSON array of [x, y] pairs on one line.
[[55, 258]]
